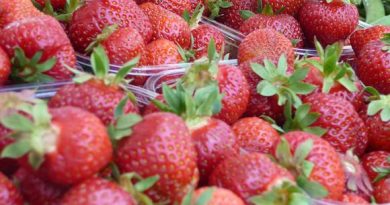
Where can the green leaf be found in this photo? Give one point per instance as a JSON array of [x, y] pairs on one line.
[[125, 69], [16, 149], [41, 115], [205, 197], [47, 65], [119, 109], [99, 62], [283, 152], [374, 10], [282, 64], [246, 14], [314, 189], [319, 131], [299, 75], [260, 71], [385, 20], [146, 184], [302, 88], [307, 168], [303, 151], [187, 198], [127, 121], [374, 107], [35, 160], [265, 88], [17, 122]]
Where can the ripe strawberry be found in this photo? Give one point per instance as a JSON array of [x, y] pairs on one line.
[[326, 170], [7, 166], [5, 67], [374, 162], [89, 20], [8, 193], [266, 43], [382, 191], [360, 38], [202, 36], [351, 198], [160, 52], [12, 11], [167, 25], [219, 196], [373, 65], [39, 38], [290, 7], [160, 145], [249, 175], [328, 22], [176, 6], [97, 191], [345, 129], [283, 23], [120, 44], [56, 4], [228, 13], [98, 94], [255, 135], [37, 191]]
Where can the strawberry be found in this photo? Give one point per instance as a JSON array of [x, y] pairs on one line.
[[160, 145], [167, 25], [37, 191], [218, 196], [382, 191], [283, 23], [7, 166], [328, 21], [376, 163], [351, 198], [90, 19], [8, 192], [39, 49], [50, 134], [266, 43], [160, 52], [360, 38], [97, 191], [98, 94], [202, 36], [120, 44], [325, 172], [56, 4], [255, 135], [5, 67], [373, 66], [290, 7], [176, 6], [345, 129], [12, 11]]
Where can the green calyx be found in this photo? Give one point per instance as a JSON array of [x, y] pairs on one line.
[[34, 137], [299, 166], [137, 189], [63, 15], [203, 199], [214, 6], [194, 18], [187, 55], [355, 2], [31, 70], [107, 31], [383, 172], [277, 82], [379, 104], [386, 41], [302, 120]]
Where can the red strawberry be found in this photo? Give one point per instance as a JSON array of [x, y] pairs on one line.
[[97, 191], [290, 7], [176, 6], [98, 94], [56, 4], [34, 36], [8, 193], [255, 135], [7, 166], [283, 23], [328, 22], [373, 65], [219, 196], [89, 20], [202, 36], [14, 10], [345, 129], [167, 25], [374, 161], [327, 169], [266, 43], [382, 191], [351, 198], [249, 175], [160, 52], [360, 38], [228, 13], [37, 191], [120, 44], [160, 145], [5, 67]]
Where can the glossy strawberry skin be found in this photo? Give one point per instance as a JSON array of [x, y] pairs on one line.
[[82, 136], [7, 165], [176, 6], [160, 52], [382, 191], [290, 7], [12, 11], [283, 23], [161, 145], [167, 25], [93, 96], [266, 43], [328, 169], [345, 129], [214, 142], [360, 38], [231, 16], [373, 66], [233, 85], [220, 196], [328, 22], [37, 191], [351, 198], [41, 34], [255, 135], [376, 159], [90, 19], [123, 45], [248, 175], [202, 36], [97, 191], [5, 67], [8, 193]]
